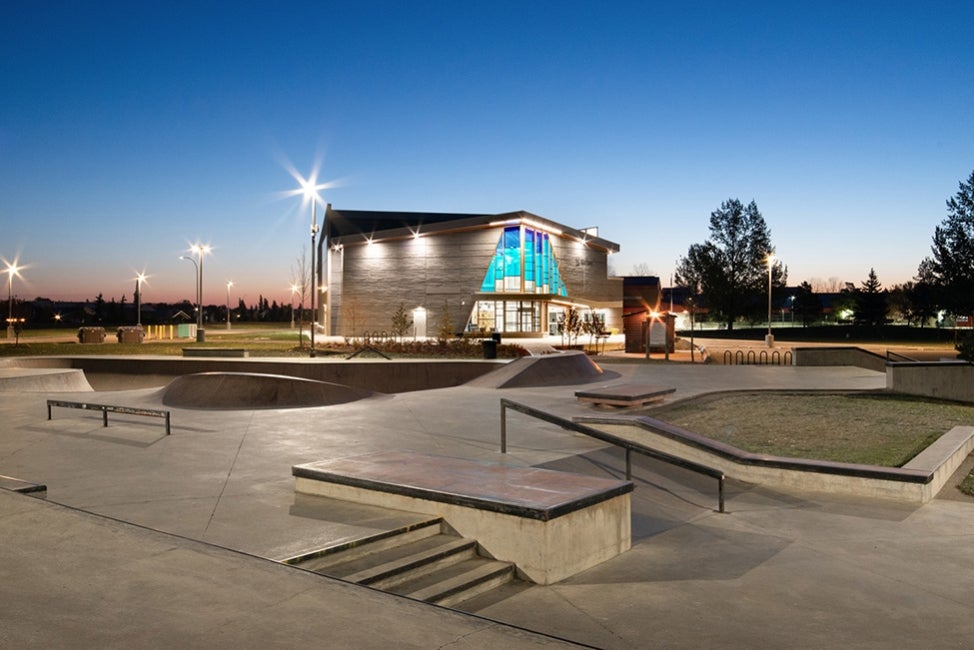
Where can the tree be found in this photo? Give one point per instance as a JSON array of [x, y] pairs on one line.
[[731, 268], [641, 269], [871, 307], [807, 304], [952, 264], [445, 331], [400, 322]]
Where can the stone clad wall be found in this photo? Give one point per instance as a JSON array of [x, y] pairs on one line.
[[425, 272]]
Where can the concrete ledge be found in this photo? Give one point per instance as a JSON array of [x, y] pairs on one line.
[[216, 352], [839, 356], [917, 482], [951, 380], [550, 524], [624, 395]]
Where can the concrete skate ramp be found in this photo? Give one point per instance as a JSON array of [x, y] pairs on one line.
[[245, 390], [561, 369], [43, 380]]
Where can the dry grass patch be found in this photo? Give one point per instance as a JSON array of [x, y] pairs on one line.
[[869, 428]]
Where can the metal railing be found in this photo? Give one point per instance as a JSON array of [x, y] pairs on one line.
[[628, 445]]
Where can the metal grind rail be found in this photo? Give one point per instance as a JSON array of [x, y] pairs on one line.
[[628, 445], [108, 408]]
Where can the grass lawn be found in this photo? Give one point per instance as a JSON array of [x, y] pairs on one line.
[[869, 428]]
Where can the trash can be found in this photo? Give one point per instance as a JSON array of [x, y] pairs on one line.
[[91, 335], [130, 334], [490, 348]]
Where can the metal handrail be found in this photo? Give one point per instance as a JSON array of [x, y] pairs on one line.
[[628, 445]]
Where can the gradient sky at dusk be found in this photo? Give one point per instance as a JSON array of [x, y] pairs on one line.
[[129, 130]]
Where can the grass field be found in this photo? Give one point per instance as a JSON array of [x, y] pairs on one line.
[[869, 428]]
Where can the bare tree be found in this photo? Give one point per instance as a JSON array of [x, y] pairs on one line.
[[301, 280]]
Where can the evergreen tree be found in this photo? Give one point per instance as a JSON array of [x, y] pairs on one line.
[[871, 307], [952, 264]]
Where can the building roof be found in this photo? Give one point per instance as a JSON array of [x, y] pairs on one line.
[[359, 226]]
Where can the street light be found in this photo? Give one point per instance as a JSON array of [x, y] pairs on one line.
[[197, 283], [200, 250], [310, 191], [12, 270], [769, 339], [229, 284], [139, 279]]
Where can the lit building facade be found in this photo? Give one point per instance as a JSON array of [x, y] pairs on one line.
[[513, 273]]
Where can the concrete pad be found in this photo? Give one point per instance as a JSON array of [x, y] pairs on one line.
[[245, 390], [85, 581]]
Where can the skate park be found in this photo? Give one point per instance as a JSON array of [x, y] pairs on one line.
[[182, 538]]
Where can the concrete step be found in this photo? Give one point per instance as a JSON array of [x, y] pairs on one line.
[[458, 582], [319, 560], [418, 561], [393, 566]]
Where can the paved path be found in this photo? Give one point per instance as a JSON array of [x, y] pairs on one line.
[[781, 569]]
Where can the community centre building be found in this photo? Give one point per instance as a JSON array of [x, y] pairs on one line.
[[514, 273]]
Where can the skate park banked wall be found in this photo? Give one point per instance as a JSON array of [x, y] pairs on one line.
[[397, 376]]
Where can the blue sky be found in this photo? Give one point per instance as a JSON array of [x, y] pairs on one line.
[[129, 130]]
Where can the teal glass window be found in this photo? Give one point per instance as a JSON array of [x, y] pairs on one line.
[[524, 262]]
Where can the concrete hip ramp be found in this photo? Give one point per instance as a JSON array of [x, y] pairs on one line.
[[561, 369], [43, 380], [245, 390]]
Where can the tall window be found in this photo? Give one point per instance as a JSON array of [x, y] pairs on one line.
[[524, 262]]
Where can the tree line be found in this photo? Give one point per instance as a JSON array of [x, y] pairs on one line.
[[735, 270]]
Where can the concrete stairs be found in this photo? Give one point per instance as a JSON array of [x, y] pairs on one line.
[[424, 561]]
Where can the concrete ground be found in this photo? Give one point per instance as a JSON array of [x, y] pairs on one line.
[[114, 556]]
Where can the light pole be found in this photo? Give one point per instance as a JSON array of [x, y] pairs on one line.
[[12, 270], [309, 188], [769, 339], [200, 250], [138, 298], [229, 284], [197, 283]]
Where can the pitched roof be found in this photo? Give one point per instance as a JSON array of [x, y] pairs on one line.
[[345, 226]]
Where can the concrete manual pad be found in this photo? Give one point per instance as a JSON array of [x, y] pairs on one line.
[[528, 492], [247, 390]]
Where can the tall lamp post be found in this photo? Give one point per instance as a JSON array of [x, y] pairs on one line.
[[197, 283], [200, 250], [769, 339], [12, 270], [229, 284], [139, 279]]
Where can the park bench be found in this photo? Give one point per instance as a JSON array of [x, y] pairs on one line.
[[626, 395], [107, 408]]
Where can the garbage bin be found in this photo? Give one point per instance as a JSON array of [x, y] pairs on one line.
[[91, 335], [490, 348], [130, 334]]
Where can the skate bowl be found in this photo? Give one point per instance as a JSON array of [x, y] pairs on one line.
[[562, 369], [244, 390]]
